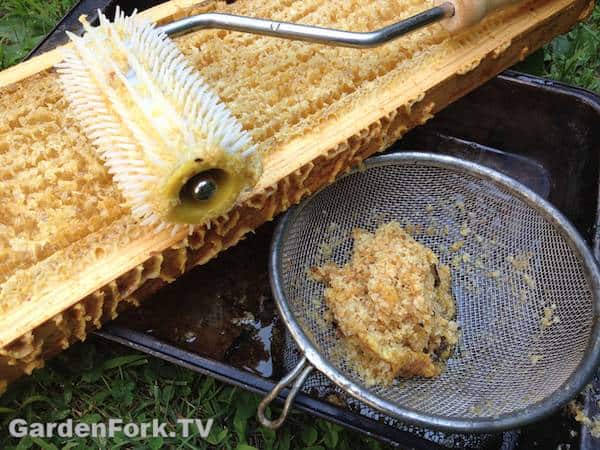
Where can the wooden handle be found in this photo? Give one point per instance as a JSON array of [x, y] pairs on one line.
[[471, 12]]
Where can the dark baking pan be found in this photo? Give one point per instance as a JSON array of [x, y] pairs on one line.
[[545, 134]]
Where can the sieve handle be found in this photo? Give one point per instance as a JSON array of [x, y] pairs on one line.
[[296, 378]]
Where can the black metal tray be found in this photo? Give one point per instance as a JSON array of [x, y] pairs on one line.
[[545, 134]]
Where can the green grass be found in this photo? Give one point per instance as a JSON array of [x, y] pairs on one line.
[[94, 381], [23, 24], [573, 58]]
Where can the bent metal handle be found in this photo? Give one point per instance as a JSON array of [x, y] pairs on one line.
[[308, 33], [455, 15], [297, 377]]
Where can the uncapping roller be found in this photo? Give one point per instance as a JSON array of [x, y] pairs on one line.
[[175, 150]]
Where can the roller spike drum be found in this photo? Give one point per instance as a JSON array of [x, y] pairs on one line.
[[176, 152]]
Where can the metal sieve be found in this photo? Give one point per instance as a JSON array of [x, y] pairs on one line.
[[525, 283]]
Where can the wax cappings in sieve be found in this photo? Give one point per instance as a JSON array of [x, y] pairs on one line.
[[530, 338]]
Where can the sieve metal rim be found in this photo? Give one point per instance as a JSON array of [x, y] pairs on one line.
[[313, 357]]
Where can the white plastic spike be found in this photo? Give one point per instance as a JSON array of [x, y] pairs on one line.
[[150, 114]]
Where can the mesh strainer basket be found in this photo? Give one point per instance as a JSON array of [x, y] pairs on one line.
[[530, 338]]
